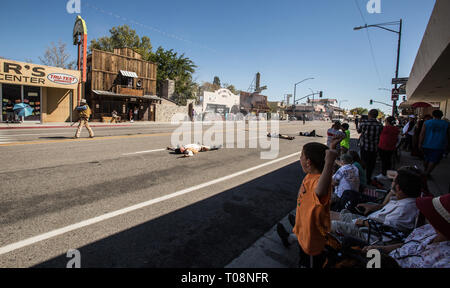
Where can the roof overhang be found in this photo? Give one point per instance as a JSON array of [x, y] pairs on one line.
[[112, 94], [430, 76]]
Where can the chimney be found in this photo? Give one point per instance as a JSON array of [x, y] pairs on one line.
[[258, 82]]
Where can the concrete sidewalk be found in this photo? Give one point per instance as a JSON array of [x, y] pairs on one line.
[[269, 252]]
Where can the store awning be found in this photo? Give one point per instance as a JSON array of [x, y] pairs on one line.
[[405, 105], [421, 105], [128, 74], [112, 94]]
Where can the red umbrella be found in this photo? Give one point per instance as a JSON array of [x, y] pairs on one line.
[[421, 105]]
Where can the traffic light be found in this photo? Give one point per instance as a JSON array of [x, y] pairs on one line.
[[309, 100], [321, 94], [371, 102]]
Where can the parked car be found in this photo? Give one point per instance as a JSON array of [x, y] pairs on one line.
[[292, 118]]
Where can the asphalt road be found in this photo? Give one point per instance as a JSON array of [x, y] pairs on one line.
[[124, 201]]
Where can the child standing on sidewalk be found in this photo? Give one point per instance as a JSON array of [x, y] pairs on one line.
[[345, 143], [312, 221]]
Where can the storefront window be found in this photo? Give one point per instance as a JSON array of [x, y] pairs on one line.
[[10, 93], [32, 97]]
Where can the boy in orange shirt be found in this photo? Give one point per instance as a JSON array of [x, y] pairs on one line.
[[312, 221]]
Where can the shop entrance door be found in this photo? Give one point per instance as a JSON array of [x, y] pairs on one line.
[[32, 97]]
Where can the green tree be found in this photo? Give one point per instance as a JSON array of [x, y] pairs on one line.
[[123, 37], [359, 111], [381, 114], [217, 81], [176, 67], [231, 88]]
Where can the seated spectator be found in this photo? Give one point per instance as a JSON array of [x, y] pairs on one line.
[[398, 210], [115, 118], [312, 220], [346, 178], [427, 246], [357, 162]]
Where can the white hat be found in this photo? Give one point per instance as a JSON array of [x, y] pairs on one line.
[[83, 101]]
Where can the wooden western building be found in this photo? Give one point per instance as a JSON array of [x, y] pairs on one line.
[[121, 81]]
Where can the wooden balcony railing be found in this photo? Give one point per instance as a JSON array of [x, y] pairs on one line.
[[129, 91]]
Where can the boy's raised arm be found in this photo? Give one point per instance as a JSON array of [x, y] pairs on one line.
[[323, 187]]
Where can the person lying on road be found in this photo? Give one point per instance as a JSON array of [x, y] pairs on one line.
[[190, 150], [281, 136]]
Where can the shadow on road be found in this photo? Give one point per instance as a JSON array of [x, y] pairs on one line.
[[209, 233]]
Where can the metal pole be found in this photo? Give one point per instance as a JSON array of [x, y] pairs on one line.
[[394, 106], [295, 90]]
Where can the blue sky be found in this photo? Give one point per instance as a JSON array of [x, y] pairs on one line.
[[286, 41]]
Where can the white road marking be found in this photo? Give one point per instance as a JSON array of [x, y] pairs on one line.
[[85, 223], [144, 152]]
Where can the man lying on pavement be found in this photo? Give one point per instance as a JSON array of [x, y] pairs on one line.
[[281, 136], [190, 150], [309, 134]]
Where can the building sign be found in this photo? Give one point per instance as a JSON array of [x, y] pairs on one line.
[[63, 79], [395, 93], [399, 81], [20, 73]]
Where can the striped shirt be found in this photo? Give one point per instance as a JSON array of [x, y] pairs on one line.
[[370, 131]]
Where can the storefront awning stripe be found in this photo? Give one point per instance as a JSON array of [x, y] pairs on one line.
[[128, 74]]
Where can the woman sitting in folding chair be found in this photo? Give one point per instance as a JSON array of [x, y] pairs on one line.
[[427, 246], [398, 211]]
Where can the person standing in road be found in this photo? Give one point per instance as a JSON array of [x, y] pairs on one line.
[[434, 139], [370, 131], [84, 113], [356, 122]]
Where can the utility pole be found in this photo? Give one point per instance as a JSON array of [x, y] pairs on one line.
[[399, 32]]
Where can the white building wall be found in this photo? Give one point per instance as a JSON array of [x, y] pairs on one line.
[[220, 97]]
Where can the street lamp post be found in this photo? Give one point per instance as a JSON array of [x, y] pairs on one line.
[[399, 32], [295, 86]]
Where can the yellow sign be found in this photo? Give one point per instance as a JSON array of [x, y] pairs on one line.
[[20, 73]]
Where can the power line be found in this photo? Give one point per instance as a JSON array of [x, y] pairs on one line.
[[372, 52]]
